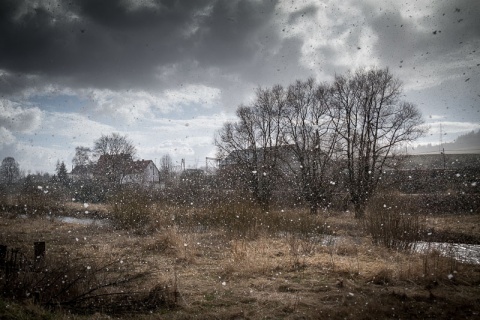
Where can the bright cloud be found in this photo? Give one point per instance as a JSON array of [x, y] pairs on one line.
[[13, 117]]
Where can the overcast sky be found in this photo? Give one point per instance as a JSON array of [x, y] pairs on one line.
[[169, 73]]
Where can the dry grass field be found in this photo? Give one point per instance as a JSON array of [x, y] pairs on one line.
[[185, 265]]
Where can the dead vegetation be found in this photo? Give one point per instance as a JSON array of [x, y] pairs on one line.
[[237, 263]]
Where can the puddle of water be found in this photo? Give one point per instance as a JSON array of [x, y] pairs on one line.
[[84, 221], [468, 253]]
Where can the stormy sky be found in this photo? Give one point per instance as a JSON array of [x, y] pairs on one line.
[[169, 73]]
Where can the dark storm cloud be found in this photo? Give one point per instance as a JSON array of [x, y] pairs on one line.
[[433, 49], [91, 42], [230, 34], [12, 83], [447, 29], [231, 45], [122, 44]]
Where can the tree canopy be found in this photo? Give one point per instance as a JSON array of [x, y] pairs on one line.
[[114, 145]]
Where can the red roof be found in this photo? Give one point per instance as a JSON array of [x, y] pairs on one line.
[[136, 167], [122, 162]]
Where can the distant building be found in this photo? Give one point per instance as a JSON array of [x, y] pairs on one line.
[[406, 173], [284, 156], [112, 168], [119, 169], [143, 172], [82, 172]]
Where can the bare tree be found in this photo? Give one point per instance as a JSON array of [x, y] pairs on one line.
[[115, 154], [313, 131], [82, 163], [114, 144], [372, 121], [82, 156], [312, 140], [9, 170], [251, 145], [166, 169]]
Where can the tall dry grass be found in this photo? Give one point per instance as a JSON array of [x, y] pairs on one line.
[[390, 224], [239, 220], [130, 208]]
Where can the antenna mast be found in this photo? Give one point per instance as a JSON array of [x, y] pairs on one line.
[[440, 147]]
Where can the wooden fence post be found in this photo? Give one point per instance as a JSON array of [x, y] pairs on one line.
[[39, 252], [3, 255]]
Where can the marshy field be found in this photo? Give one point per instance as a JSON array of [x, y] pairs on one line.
[[231, 260]]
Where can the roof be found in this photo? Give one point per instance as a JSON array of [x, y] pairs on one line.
[[136, 167], [123, 162], [82, 169]]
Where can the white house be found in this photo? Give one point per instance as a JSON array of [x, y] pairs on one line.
[[143, 172]]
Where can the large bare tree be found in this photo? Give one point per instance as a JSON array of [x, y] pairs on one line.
[[312, 140], [251, 144], [114, 144], [372, 121]]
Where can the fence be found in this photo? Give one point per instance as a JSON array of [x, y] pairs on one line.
[[13, 260]]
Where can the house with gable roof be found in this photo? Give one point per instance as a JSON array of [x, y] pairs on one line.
[[122, 169], [142, 172]]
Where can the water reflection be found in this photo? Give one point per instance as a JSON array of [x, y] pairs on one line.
[[467, 253], [83, 221]]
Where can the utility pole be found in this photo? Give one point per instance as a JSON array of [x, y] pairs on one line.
[[442, 149], [444, 160]]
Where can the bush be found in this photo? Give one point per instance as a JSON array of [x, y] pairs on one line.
[[131, 208], [390, 225], [81, 285], [40, 197], [92, 191]]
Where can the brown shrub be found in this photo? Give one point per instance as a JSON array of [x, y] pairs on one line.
[[130, 208], [168, 242], [390, 225]]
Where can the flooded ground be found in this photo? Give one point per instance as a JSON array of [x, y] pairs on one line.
[[84, 221], [467, 253]]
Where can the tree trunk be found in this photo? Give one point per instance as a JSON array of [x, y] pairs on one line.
[[313, 207], [265, 205], [360, 207]]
